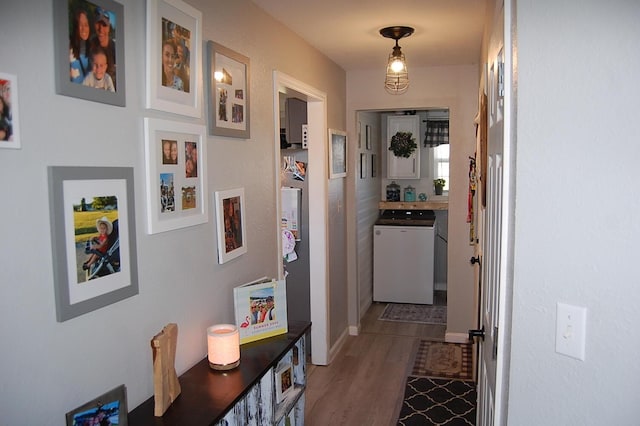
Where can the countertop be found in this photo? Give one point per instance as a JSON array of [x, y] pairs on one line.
[[434, 203]]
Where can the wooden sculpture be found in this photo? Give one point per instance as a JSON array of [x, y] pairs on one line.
[[166, 386]]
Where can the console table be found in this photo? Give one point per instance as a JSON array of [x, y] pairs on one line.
[[248, 394]]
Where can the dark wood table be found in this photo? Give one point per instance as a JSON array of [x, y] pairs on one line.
[[207, 395]]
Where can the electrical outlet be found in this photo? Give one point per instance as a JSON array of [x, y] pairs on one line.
[[571, 329]]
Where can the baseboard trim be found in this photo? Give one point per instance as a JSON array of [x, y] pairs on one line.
[[456, 337], [354, 330], [440, 286], [338, 345]]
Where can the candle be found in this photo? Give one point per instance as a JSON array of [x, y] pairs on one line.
[[223, 343]]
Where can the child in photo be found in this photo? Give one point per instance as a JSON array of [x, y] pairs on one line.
[[98, 77]]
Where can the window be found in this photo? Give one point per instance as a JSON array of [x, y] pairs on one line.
[[441, 164]]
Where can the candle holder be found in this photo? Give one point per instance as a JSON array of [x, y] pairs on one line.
[[223, 343]]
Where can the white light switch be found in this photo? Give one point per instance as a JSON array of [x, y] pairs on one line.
[[571, 329]]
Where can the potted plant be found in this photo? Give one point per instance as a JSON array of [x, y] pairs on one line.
[[403, 144], [438, 184]]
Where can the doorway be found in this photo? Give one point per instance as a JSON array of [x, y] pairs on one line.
[[318, 216]]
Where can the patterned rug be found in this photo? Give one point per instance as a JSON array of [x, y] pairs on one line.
[[407, 312], [438, 402], [443, 359]]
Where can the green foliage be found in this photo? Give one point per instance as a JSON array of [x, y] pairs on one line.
[[403, 144], [439, 182]]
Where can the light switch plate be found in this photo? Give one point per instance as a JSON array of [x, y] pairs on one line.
[[571, 330]]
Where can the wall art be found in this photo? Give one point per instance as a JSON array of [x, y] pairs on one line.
[[337, 154], [9, 112], [176, 181], [230, 213], [93, 237], [228, 92], [174, 37], [89, 50]]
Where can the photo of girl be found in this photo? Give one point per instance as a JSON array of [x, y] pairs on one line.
[[92, 48], [176, 42]]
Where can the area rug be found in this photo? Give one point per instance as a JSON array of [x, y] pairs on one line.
[[430, 401], [407, 312], [443, 360]]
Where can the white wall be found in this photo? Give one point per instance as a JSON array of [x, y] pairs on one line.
[[576, 231], [455, 88], [49, 368]]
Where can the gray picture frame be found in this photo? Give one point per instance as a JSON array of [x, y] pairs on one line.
[[62, 28], [112, 404], [337, 154], [75, 296], [237, 72]]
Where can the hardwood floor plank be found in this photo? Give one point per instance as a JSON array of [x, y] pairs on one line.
[[364, 385]]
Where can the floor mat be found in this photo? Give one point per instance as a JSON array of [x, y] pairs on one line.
[[407, 312], [443, 359], [430, 401]]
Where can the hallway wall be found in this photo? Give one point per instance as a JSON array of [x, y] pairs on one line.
[[49, 368]]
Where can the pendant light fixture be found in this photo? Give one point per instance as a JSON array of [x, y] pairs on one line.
[[396, 81]]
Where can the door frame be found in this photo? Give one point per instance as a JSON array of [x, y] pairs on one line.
[[317, 176]]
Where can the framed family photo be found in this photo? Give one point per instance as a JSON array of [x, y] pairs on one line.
[[228, 97], [230, 214], [9, 117], [284, 382], [176, 181], [93, 237], [174, 39], [107, 409], [89, 50], [337, 154]]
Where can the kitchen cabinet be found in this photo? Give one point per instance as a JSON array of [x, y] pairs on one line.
[[400, 167]]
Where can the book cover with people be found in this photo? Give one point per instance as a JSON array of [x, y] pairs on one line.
[[261, 309]]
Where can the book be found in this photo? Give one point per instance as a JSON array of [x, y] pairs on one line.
[[261, 309]]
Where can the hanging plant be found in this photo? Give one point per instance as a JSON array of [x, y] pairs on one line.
[[403, 144]]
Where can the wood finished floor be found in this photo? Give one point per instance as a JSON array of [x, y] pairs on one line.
[[364, 385]]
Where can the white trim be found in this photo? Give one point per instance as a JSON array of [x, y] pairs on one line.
[[335, 349], [354, 330], [318, 216], [456, 337]]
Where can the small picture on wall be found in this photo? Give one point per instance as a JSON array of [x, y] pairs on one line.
[[108, 409], [9, 129]]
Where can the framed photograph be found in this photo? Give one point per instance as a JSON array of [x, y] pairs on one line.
[[361, 134], [337, 154], [107, 409], [374, 165], [176, 180], [89, 50], [174, 37], [9, 117], [284, 382], [363, 165], [228, 92], [368, 136], [232, 235], [93, 235]]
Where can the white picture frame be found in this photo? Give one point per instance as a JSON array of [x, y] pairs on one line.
[[337, 154], [176, 23], [284, 382], [231, 224], [10, 110], [187, 204]]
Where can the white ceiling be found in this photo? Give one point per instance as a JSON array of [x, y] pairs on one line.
[[447, 32]]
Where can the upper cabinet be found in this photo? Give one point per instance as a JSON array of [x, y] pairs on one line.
[[401, 167]]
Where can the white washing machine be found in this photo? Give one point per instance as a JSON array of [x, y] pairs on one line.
[[403, 260]]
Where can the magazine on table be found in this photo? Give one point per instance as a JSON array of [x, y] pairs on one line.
[[261, 309]]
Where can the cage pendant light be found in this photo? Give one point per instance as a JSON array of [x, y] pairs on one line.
[[396, 80]]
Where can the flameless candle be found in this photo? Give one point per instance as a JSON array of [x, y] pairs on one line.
[[223, 342]]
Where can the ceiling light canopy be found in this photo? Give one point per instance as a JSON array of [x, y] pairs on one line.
[[397, 78]]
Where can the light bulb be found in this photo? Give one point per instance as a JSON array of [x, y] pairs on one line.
[[397, 65]]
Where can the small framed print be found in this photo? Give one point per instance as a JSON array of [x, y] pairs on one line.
[[176, 176], [363, 165], [9, 119], [89, 50], [232, 235], [174, 37], [374, 165], [107, 409], [284, 382], [337, 154], [228, 77], [93, 237], [368, 136]]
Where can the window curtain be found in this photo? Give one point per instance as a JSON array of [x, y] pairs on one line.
[[436, 133]]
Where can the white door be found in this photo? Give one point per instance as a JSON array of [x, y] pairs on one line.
[[400, 167], [492, 363]]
